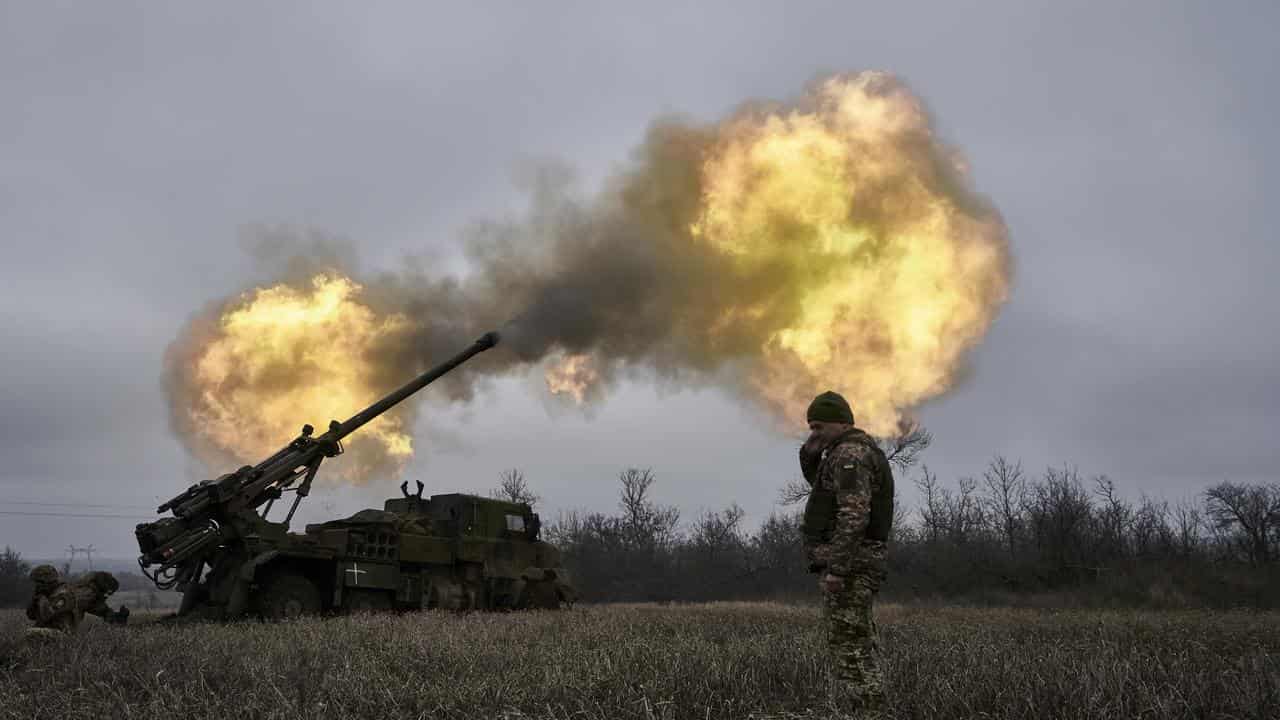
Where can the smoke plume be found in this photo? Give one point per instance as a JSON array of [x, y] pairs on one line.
[[833, 242]]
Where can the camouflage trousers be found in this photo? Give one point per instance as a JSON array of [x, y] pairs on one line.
[[852, 635]]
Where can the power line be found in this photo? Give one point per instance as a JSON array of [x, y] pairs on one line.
[[70, 514], [75, 504], [86, 551]]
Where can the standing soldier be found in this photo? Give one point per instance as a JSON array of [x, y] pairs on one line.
[[56, 605], [846, 529]]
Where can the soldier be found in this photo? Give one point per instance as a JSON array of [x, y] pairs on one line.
[[58, 605], [846, 527], [546, 588]]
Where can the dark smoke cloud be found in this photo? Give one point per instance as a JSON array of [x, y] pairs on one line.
[[612, 276]]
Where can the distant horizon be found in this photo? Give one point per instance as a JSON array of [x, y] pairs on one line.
[[905, 481]]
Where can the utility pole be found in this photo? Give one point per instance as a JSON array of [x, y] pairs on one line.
[[87, 551]]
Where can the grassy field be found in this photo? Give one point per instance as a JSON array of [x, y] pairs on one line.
[[724, 660]]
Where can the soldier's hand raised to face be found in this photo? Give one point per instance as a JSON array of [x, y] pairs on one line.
[[831, 583]]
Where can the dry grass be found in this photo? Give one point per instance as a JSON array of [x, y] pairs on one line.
[[635, 661]]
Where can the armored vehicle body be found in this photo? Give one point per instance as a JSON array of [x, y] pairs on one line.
[[451, 551]]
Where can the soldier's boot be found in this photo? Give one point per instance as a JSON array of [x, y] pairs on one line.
[[873, 706], [857, 686], [849, 702], [853, 700]]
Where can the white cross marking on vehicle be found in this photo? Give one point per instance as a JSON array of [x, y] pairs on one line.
[[356, 572]]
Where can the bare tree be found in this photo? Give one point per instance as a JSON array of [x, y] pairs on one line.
[[15, 586], [513, 488], [793, 491], [718, 532], [898, 528], [1114, 517], [1059, 510], [964, 514], [634, 495], [1251, 511], [933, 511], [1149, 531], [1006, 490], [903, 450], [647, 523], [1188, 522], [776, 544]]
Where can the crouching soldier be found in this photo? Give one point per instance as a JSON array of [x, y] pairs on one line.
[[544, 588], [58, 605]]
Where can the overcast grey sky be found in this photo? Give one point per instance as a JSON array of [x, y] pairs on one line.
[[1130, 146]]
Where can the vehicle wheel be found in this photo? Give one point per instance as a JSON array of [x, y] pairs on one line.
[[192, 599], [288, 595], [354, 601]]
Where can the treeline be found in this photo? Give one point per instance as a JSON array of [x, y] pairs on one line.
[[15, 586], [645, 553], [1006, 534], [1003, 537]]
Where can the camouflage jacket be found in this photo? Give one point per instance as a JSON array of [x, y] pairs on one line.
[[55, 606], [850, 505], [63, 604]]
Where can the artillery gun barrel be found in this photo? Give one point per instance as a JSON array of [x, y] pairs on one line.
[[210, 515], [354, 423]]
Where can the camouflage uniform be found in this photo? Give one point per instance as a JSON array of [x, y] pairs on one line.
[[58, 605], [847, 522]]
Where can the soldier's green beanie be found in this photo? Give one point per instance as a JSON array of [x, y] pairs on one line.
[[44, 575], [830, 407]]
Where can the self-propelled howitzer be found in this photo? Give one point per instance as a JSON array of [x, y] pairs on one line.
[[255, 564]]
